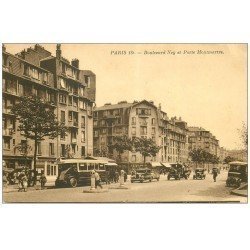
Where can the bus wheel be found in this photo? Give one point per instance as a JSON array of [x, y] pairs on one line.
[[73, 182]]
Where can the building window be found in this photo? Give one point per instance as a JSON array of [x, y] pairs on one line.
[[73, 146], [63, 83], [81, 104], [51, 149], [82, 136], [87, 81], [34, 73], [63, 150], [153, 131], [143, 130], [26, 70], [83, 151], [153, 121], [6, 143], [62, 116], [83, 121], [81, 91], [5, 60], [133, 131], [62, 136], [143, 111], [133, 158], [39, 148], [75, 102], [133, 120], [62, 99]]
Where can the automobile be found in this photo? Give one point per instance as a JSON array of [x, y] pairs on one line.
[[237, 174], [155, 175], [178, 171], [141, 175], [199, 173]]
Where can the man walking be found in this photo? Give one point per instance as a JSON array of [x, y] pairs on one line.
[[215, 173], [97, 180]]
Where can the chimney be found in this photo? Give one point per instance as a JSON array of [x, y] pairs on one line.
[[159, 106], [75, 63], [23, 52], [3, 48], [58, 51]]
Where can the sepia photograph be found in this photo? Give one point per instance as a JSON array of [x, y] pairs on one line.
[[124, 123]]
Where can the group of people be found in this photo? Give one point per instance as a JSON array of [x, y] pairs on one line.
[[111, 176], [25, 178]]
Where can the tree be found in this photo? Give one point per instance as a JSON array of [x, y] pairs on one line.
[[146, 147], [37, 120], [24, 149], [229, 159], [243, 135], [121, 144], [202, 156]]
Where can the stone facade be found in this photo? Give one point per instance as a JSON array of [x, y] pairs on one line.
[[204, 139], [140, 119], [68, 89]]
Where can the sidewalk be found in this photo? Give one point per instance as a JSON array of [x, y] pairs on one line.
[[241, 191], [14, 188]]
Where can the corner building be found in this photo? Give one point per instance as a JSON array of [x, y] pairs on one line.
[[68, 89], [140, 119]]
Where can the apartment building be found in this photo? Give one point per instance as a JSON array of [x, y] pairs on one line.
[[140, 119], [68, 89], [202, 138]]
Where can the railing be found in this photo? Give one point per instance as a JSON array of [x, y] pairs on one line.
[[73, 123], [8, 132], [74, 140], [144, 123], [6, 68], [7, 110]]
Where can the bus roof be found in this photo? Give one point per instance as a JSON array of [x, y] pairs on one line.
[[237, 163], [82, 161]]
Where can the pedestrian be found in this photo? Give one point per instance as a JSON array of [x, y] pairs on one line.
[[215, 173], [116, 176], [125, 176], [97, 180], [5, 179], [22, 181], [107, 177], [43, 179]]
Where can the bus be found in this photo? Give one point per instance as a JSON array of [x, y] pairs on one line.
[[73, 172]]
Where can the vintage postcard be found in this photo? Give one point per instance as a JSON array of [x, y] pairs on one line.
[[124, 123]]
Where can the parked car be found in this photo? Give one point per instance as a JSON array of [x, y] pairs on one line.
[[141, 175], [155, 175], [199, 173], [237, 174], [178, 171]]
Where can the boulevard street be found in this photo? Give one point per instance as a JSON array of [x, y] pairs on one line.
[[156, 191]]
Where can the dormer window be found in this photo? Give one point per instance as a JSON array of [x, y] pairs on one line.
[[87, 81]]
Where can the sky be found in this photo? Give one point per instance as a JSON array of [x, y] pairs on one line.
[[205, 90]]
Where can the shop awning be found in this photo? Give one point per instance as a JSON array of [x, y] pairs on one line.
[[155, 164], [166, 164], [111, 164]]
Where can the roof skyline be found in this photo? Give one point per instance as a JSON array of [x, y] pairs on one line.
[[205, 90]]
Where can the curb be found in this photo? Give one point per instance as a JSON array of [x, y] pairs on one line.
[[240, 191], [235, 192], [119, 187], [95, 191]]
